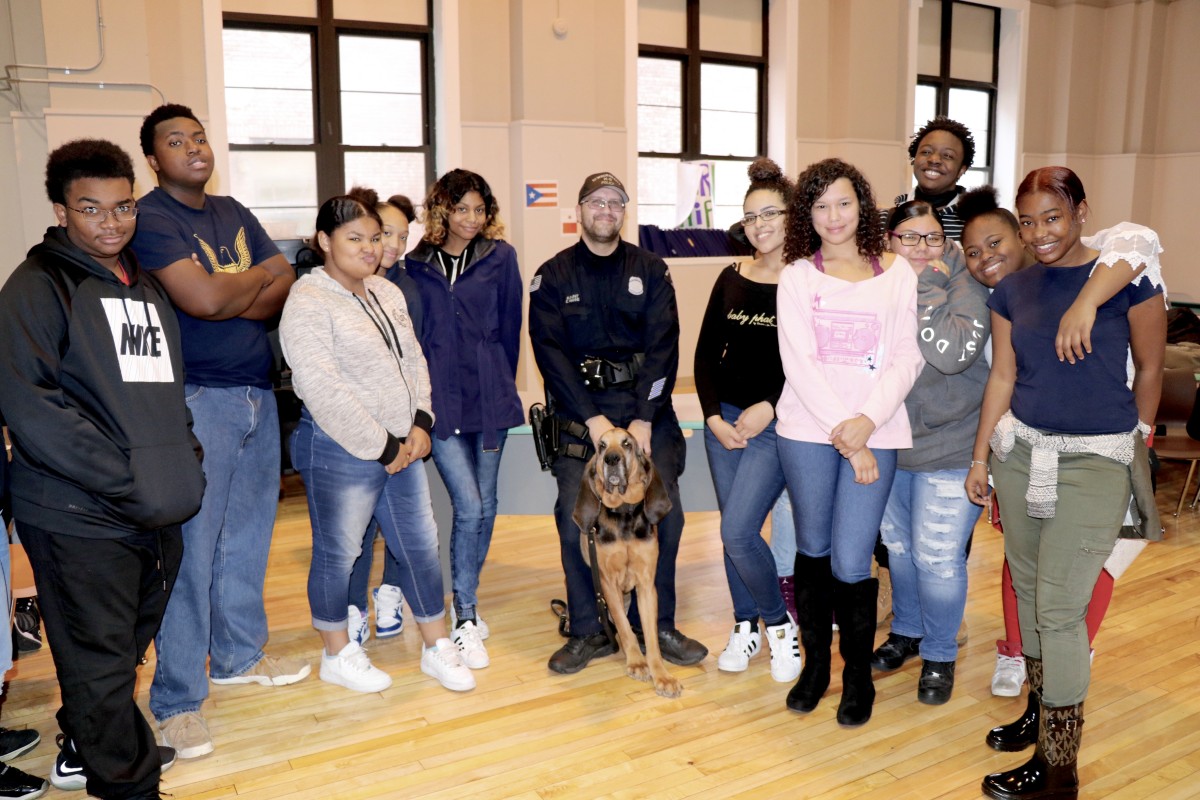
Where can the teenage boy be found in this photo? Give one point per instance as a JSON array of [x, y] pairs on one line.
[[941, 153], [105, 468], [226, 277]]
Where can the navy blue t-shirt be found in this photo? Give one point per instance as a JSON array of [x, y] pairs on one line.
[[226, 237], [1090, 396]]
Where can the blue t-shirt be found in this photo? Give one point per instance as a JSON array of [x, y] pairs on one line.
[[1090, 396], [226, 237]]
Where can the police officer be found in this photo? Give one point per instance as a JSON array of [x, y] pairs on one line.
[[605, 332]]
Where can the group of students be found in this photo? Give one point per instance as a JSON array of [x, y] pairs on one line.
[[906, 379], [845, 362]]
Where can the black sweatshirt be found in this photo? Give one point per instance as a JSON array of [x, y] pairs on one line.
[[91, 386], [737, 354]]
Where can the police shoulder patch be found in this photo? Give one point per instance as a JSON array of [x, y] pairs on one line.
[[535, 284]]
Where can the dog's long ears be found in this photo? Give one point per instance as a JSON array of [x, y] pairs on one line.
[[658, 502], [587, 505]]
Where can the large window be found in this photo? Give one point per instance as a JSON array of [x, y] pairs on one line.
[[957, 66], [317, 105], [701, 97]]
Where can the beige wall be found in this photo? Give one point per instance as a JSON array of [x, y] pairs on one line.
[[1108, 88], [1111, 93]]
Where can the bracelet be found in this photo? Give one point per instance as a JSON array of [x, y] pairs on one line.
[[980, 463]]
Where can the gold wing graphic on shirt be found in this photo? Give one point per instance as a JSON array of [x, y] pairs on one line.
[[239, 264]]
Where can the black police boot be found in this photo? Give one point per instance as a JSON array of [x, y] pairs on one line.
[[578, 651]]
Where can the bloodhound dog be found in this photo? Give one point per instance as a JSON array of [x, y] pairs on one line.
[[623, 498]]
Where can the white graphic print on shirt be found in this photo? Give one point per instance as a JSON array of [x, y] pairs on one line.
[[138, 338]]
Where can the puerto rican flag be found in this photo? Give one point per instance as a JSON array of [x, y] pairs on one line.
[[541, 194]]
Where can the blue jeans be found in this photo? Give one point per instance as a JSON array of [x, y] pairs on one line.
[[470, 474], [783, 535], [345, 494], [216, 610], [360, 576], [668, 454], [835, 516], [926, 526], [748, 482]]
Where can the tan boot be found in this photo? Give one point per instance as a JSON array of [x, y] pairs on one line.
[[883, 604]]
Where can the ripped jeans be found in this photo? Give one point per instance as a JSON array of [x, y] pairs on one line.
[[925, 528]]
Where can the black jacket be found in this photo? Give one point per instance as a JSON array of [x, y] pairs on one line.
[[577, 310], [91, 385]]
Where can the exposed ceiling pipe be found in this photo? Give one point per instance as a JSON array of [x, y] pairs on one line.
[[11, 78]]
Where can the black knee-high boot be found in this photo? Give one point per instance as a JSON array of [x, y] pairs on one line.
[[1024, 731], [1051, 773], [814, 609], [854, 605]]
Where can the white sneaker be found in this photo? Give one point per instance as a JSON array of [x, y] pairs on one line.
[[444, 662], [783, 639], [1009, 676], [389, 610], [357, 625], [743, 644], [351, 668], [470, 643], [480, 625]]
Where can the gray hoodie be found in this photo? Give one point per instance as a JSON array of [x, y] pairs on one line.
[[953, 323]]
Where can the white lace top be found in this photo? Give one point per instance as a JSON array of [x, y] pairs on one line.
[[1134, 244]]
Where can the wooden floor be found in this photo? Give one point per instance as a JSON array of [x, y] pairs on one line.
[[528, 734]]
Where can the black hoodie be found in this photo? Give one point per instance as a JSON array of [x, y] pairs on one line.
[[91, 385]]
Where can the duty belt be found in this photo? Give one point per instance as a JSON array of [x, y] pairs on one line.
[[601, 373]]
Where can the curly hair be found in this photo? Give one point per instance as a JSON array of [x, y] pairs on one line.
[[85, 158], [445, 194], [766, 175], [983, 202], [802, 239], [162, 114], [1058, 181], [953, 127]]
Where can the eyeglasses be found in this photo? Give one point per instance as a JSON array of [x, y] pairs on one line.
[[911, 239], [600, 204], [766, 216], [98, 216]]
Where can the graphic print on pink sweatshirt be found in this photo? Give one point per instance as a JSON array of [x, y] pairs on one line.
[[847, 338]]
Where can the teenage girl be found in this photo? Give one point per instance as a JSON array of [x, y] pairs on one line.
[[993, 249], [471, 293], [848, 341], [365, 427], [1062, 438], [929, 518], [395, 213], [739, 378]]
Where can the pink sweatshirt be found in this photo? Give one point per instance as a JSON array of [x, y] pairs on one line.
[[847, 349]]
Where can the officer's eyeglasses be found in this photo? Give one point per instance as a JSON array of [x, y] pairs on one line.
[[766, 216], [98, 216], [911, 239], [600, 204]]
